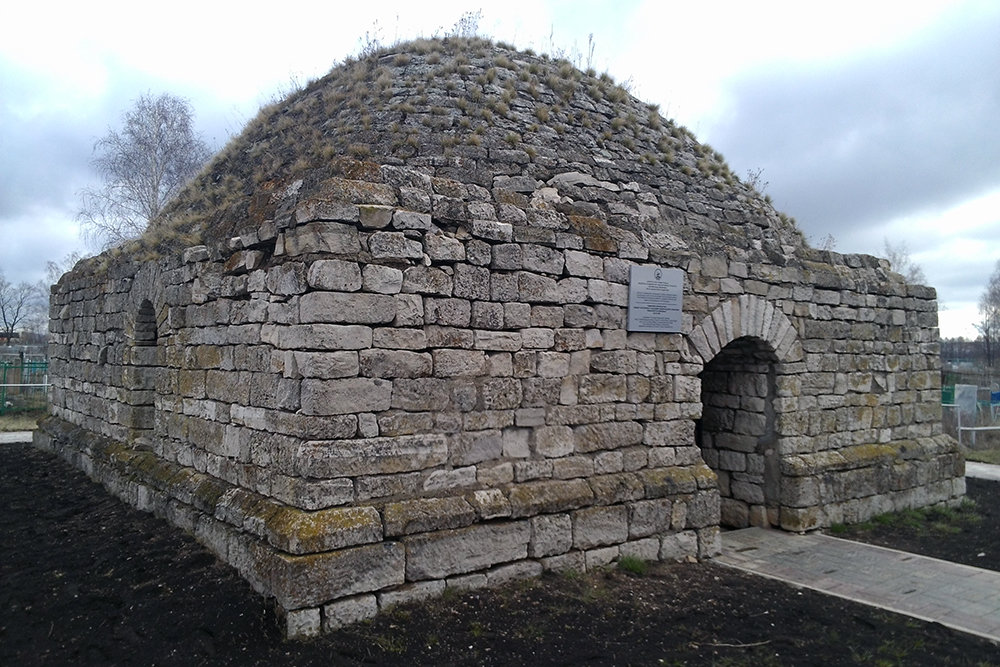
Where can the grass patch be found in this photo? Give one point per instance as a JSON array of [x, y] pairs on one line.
[[923, 521], [20, 421], [983, 456], [633, 565]]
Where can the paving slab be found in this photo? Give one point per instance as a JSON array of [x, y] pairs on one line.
[[12, 437], [959, 596], [982, 470]]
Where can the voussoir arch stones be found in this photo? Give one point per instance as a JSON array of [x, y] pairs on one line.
[[746, 316]]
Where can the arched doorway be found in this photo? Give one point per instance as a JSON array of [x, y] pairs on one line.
[[737, 431], [751, 352], [140, 378]]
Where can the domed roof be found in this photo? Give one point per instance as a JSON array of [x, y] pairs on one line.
[[519, 125]]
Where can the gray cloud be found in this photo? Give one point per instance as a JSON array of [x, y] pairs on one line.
[[860, 142]]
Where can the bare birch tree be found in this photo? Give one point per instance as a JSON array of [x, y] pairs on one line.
[[989, 310], [142, 166], [17, 304], [902, 263]]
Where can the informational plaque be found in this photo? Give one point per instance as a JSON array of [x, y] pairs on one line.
[[655, 299]]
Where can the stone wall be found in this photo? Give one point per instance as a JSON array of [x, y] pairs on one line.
[[366, 402]]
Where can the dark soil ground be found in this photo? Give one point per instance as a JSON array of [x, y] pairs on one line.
[[86, 580]]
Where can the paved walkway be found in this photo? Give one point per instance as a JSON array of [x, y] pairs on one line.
[[982, 470], [958, 596], [10, 437]]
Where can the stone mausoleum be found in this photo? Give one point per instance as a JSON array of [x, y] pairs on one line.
[[404, 335]]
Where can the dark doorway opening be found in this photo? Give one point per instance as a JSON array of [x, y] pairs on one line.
[[737, 433]]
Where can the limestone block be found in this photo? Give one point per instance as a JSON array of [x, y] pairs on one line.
[[411, 220], [324, 365], [552, 364], [295, 531], [614, 361], [489, 503], [501, 394], [734, 513], [448, 312], [311, 494], [322, 237], [494, 474], [450, 552], [703, 510], [427, 280], [599, 388], [492, 230], [537, 337], [339, 307], [301, 623], [508, 341], [584, 264], [305, 581], [194, 254], [617, 488], [404, 423], [647, 549], [348, 611], [374, 216], [334, 274], [530, 417], [286, 279], [318, 337], [382, 279], [399, 339], [542, 259], [649, 517], [459, 363], [608, 462], [466, 582], [548, 496], [500, 364], [370, 456], [421, 394], [601, 557], [394, 245], [382, 363], [345, 396], [534, 288], [516, 441], [487, 315], [709, 542], [611, 435], [447, 480], [325, 209], [468, 448], [570, 339], [551, 534], [507, 257], [679, 546], [515, 315], [442, 248], [472, 282], [554, 441], [427, 514], [383, 486], [667, 482], [407, 593], [801, 492]]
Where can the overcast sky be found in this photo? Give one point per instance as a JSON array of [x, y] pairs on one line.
[[870, 120]]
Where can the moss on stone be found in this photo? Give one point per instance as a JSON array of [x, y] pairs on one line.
[[299, 532]]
